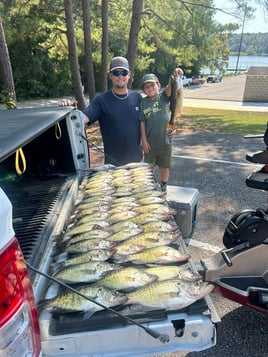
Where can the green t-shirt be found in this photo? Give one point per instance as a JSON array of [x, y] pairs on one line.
[[154, 113]]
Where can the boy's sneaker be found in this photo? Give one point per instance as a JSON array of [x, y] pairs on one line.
[[163, 186]]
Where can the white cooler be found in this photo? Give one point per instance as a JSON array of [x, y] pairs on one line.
[[184, 201]]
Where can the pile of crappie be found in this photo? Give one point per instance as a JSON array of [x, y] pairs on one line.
[[122, 247]]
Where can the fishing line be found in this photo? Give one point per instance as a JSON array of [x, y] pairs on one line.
[[94, 145], [162, 337]]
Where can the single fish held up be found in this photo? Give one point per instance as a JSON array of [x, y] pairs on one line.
[[87, 272], [169, 294], [158, 255], [72, 302], [174, 103], [127, 279]]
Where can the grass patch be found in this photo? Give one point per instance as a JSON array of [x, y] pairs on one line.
[[223, 121]]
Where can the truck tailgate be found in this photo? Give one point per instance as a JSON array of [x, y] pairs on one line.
[[108, 334]]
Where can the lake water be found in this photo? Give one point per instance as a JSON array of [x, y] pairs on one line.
[[244, 63], [247, 61]]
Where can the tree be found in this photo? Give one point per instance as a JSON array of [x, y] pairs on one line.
[[137, 7], [88, 48], [104, 44], [73, 58], [6, 70]]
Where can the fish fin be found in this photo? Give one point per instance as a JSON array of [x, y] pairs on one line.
[[119, 258], [88, 314]]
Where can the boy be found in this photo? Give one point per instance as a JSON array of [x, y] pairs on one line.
[[154, 117]]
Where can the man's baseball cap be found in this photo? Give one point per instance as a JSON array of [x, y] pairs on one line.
[[149, 78], [119, 62]]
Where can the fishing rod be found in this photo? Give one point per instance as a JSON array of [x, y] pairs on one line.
[[99, 149], [162, 337]]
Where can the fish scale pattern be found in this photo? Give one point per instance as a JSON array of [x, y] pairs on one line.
[[122, 246]]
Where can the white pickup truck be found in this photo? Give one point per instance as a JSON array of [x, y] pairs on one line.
[[43, 162], [186, 81]]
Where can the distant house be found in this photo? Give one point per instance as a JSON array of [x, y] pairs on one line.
[[256, 86]]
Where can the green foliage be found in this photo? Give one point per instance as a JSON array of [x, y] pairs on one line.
[[8, 98], [252, 44], [172, 33]]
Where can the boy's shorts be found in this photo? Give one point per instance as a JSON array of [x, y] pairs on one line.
[[160, 156]]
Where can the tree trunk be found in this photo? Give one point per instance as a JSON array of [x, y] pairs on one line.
[[137, 7], [88, 49], [6, 70], [104, 44], [73, 58]]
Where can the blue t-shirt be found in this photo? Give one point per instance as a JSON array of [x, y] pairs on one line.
[[119, 126]]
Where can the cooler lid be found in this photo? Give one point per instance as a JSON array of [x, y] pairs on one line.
[[183, 197]]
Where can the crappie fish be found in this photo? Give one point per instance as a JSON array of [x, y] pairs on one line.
[[152, 239], [91, 210], [166, 272], [91, 218], [151, 200], [92, 255], [134, 165], [72, 302], [126, 248], [160, 226], [87, 272], [151, 193], [118, 200], [124, 234], [126, 279], [119, 226], [143, 218], [93, 233], [85, 227], [122, 207], [94, 199], [88, 244], [156, 208], [169, 294], [158, 255], [121, 216]]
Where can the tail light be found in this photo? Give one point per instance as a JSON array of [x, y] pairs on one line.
[[19, 328]]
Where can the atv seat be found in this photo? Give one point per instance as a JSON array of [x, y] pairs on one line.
[[259, 157]]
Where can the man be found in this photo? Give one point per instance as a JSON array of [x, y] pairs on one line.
[[117, 111]]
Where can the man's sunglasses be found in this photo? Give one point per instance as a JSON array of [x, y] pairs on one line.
[[120, 73]]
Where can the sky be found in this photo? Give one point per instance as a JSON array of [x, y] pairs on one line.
[[258, 24]]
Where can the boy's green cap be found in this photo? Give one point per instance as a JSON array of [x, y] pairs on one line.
[[149, 78]]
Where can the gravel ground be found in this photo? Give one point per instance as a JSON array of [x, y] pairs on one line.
[[215, 164]]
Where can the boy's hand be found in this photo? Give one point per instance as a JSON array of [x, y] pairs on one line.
[[68, 103], [171, 134]]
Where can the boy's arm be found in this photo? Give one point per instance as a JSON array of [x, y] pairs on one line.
[[145, 144]]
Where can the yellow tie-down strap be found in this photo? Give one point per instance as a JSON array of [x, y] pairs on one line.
[[58, 131], [20, 157]]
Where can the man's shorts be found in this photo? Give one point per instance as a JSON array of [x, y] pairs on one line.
[[160, 156]]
